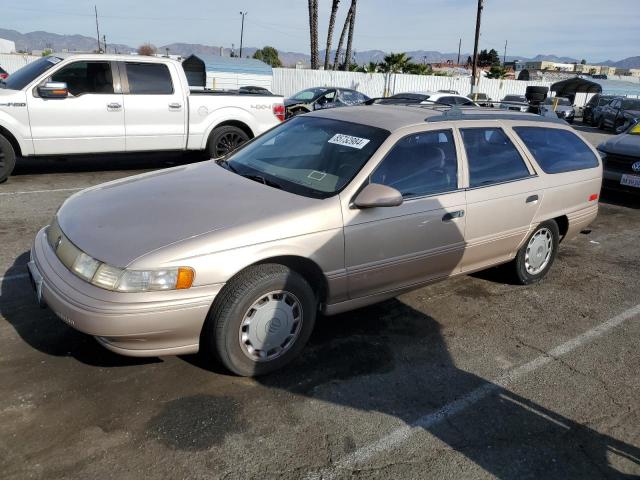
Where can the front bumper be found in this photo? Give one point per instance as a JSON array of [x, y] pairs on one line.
[[611, 181], [134, 324]]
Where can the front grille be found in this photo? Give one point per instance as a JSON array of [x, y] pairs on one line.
[[620, 163]]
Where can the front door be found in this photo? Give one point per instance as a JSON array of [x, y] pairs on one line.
[[155, 108], [90, 119], [390, 248], [502, 198]]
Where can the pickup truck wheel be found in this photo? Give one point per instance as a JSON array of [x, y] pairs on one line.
[[7, 159], [536, 256], [261, 320], [225, 140]]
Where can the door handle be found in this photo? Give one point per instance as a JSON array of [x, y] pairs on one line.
[[175, 106], [532, 198], [114, 106], [447, 217]]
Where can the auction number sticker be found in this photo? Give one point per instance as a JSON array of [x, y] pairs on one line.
[[349, 141]]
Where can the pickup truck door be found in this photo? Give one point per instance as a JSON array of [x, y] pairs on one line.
[[155, 107], [90, 119]]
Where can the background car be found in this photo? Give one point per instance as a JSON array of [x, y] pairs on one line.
[[481, 99], [427, 98], [516, 103], [561, 106], [318, 98], [593, 110], [3, 74], [621, 161], [619, 114]]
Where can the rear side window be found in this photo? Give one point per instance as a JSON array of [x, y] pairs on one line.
[[149, 79], [420, 164], [492, 157], [556, 150]]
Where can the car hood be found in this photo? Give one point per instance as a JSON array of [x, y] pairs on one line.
[[632, 113], [623, 144], [120, 221]]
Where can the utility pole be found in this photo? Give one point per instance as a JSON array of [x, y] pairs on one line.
[[104, 43], [459, 48], [95, 8], [504, 59], [242, 31], [474, 69]]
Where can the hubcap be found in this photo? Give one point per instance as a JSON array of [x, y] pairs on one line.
[[228, 143], [538, 251], [271, 326]]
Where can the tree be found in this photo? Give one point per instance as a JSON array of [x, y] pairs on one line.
[[46, 52], [268, 55], [352, 24], [418, 69], [497, 71], [347, 21], [395, 63], [583, 62], [146, 49], [469, 60], [486, 59], [313, 32], [372, 67], [332, 24]]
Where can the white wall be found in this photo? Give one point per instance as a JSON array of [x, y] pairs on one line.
[[7, 46], [11, 63], [287, 81]]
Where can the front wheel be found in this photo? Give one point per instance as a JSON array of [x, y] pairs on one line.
[[535, 257], [7, 158], [261, 320], [225, 140]]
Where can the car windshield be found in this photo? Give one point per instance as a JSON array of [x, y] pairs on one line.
[[515, 98], [309, 94], [22, 77], [560, 100], [310, 156], [631, 104]]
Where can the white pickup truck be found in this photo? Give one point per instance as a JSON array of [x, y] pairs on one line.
[[95, 103]]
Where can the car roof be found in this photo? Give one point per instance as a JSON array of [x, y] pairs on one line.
[[395, 117]]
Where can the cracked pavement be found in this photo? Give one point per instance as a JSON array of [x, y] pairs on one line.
[[70, 409]]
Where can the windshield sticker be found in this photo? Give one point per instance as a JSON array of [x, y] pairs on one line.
[[53, 60], [314, 175], [349, 141]]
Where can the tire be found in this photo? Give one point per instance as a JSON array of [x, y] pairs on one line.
[[531, 270], [235, 323], [7, 159], [224, 140]]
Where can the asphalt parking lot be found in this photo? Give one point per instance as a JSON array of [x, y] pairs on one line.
[[469, 378]]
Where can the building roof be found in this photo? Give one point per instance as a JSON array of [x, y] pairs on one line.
[[216, 63]]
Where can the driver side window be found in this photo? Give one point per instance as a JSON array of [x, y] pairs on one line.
[[420, 164], [86, 77]]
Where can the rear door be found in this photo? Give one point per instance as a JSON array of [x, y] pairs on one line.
[[89, 120], [155, 113], [502, 197]]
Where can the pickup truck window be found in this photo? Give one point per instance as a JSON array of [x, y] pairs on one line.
[[86, 77], [25, 75], [149, 79]]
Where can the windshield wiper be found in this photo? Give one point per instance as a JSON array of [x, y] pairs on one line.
[[225, 164], [261, 179]]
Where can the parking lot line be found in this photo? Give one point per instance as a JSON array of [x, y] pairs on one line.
[[402, 434], [44, 191]]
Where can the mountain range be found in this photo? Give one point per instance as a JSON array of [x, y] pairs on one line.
[[40, 40]]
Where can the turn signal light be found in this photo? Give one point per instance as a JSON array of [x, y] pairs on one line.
[[593, 197], [278, 111], [185, 278]]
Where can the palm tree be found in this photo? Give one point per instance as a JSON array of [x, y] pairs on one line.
[[347, 21], [313, 31], [332, 24], [395, 62], [352, 24], [373, 67]]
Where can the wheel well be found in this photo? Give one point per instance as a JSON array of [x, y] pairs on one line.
[[305, 267], [12, 140], [563, 225], [233, 123]]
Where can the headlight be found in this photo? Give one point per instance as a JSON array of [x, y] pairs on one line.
[[113, 278]]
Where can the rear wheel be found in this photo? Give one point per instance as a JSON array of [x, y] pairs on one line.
[[261, 320], [7, 158], [225, 140], [536, 256]]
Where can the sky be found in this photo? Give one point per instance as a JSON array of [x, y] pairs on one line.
[[593, 30]]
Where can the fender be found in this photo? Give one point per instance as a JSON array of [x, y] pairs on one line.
[[21, 131]]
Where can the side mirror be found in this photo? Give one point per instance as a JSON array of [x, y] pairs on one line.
[[377, 195], [53, 90]]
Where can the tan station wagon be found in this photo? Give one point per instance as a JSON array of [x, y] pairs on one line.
[[327, 212]]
